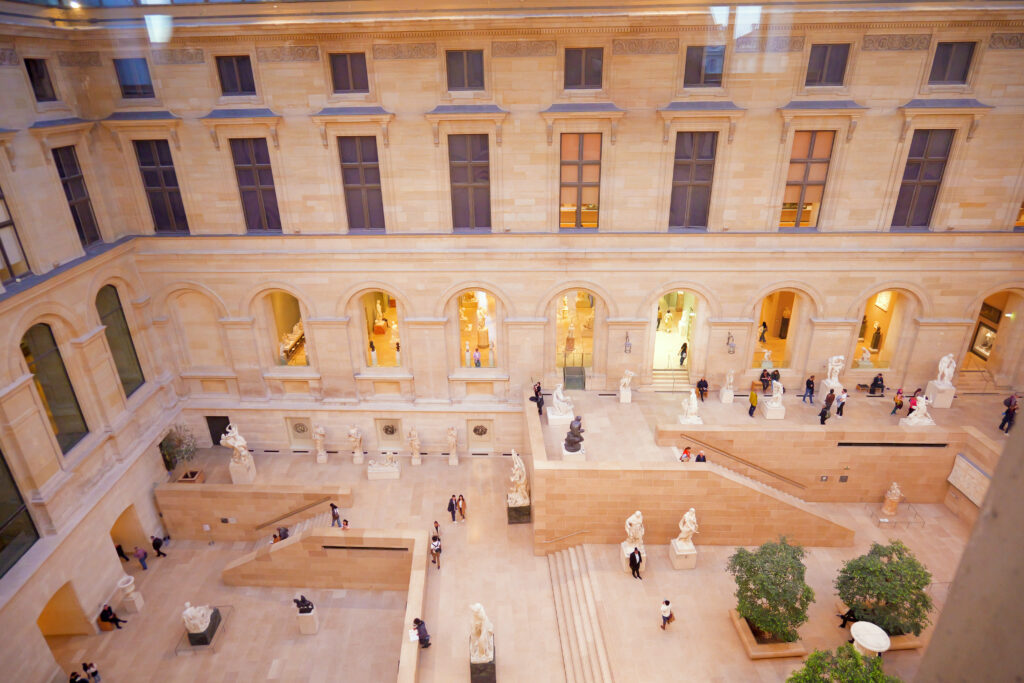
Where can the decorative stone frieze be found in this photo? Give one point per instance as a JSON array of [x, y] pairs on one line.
[[897, 42], [1006, 41], [524, 48], [645, 46], [769, 44], [78, 58], [8, 57], [405, 51], [185, 55], [288, 53]]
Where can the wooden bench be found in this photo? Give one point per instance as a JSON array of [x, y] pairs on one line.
[[104, 625]]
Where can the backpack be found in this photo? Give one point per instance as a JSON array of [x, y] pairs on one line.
[[1007, 402]]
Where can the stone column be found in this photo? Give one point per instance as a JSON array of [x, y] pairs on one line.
[[240, 337], [423, 351], [828, 337], [330, 342], [91, 362], [718, 359]]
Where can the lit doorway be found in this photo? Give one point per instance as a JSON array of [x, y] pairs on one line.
[[995, 347], [674, 323], [574, 330], [881, 326], [775, 330]]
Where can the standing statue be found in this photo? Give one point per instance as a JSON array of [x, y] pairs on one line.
[[627, 377], [777, 390], [691, 409], [196, 618], [355, 440], [947, 366], [920, 417], [729, 379], [767, 356], [687, 527], [319, 434], [574, 439], [481, 636], [232, 439], [892, 499], [453, 440], [414, 442], [635, 530], [835, 366], [518, 491], [562, 403], [876, 336], [865, 354]]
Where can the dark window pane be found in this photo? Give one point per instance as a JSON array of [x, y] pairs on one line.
[[836, 67], [119, 339], [460, 207], [922, 177], [482, 207], [700, 199], [694, 62], [349, 149], [816, 64], [17, 532], [273, 218], [360, 79], [351, 176], [923, 204], [360, 175], [594, 57], [42, 88], [228, 77], [951, 63], [714, 64], [355, 209], [236, 76], [938, 143], [456, 69], [457, 148], [691, 179], [255, 183], [475, 69], [76, 193], [133, 76], [573, 68], [239, 151], [260, 151], [339, 73], [469, 172], [51, 378], [375, 206]]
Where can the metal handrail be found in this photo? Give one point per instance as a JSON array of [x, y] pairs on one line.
[[294, 512], [562, 538], [749, 464]]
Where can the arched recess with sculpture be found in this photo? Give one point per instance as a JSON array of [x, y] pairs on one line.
[[783, 320], [995, 351], [475, 320], [885, 330], [576, 328], [280, 325], [377, 313]]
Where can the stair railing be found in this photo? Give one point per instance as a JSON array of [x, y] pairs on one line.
[[747, 463], [562, 538], [293, 512]]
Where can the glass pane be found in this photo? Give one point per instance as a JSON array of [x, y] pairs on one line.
[[912, 170], [677, 211], [371, 175], [119, 339], [816, 64], [266, 177], [593, 67], [922, 210], [792, 194], [10, 245], [460, 207], [260, 152], [348, 149], [163, 152], [714, 64], [457, 148], [475, 69], [684, 145], [354, 206], [918, 143], [144, 152], [482, 174], [87, 222], [375, 205], [590, 197], [592, 146], [15, 539], [460, 174], [591, 173], [239, 151], [570, 173], [940, 63], [938, 143], [339, 73], [706, 145], [567, 197], [836, 67], [270, 206], [151, 178], [960, 62], [368, 148], [573, 68], [54, 386], [570, 146], [177, 210], [360, 80], [456, 69], [479, 150], [801, 144], [700, 199], [226, 71], [482, 208], [823, 144], [681, 172], [702, 172], [796, 172], [932, 170], [817, 172], [246, 177], [170, 178], [902, 212], [812, 193], [251, 210], [161, 216], [245, 80], [694, 59]]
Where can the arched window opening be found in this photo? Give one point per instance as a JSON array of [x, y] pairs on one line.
[[880, 325], [383, 348], [55, 390], [478, 329], [17, 531], [774, 332], [288, 331], [574, 330], [676, 317], [119, 339]]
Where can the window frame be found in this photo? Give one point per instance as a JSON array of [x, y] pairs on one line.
[[974, 53], [980, 41], [21, 510], [702, 85], [44, 401], [255, 167], [580, 184], [348, 63], [821, 83], [5, 261], [805, 181], [468, 87], [584, 87], [215, 82], [692, 163], [163, 189], [145, 95], [85, 201], [470, 186], [48, 77], [362, 186], [939, 185]]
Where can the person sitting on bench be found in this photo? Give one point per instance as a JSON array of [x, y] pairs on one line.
[[110, 617]]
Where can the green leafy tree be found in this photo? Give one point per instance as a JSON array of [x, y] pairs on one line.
[[770, 589], [887, 587], [845, 665], [178, 446]]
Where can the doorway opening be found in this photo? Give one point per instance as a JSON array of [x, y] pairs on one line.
[[63, 615], [574, 330], [774, 331], [127, 532], [380, 314], [218, 425], [673, 330]]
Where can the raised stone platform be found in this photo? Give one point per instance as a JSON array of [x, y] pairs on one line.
[[771, 412], [941, 395], [556, 419], [381, 471], [683, 554]]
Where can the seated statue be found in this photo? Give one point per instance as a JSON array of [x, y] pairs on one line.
[[196, 618], [574, 438], [563, 404], [304, 605], [687, 527]]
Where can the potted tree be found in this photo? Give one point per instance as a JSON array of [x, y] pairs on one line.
[[772, 599], [887, 586], [845, 664], [179, 446]]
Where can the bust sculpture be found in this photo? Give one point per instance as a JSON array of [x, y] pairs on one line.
[[196, 618], [876, 336], [414, 442], [574, 438], [453, 439], [729, 379], [777, 390], [627, 377], [232, 439], [562, 403], [687, 527], [304, 605], [635, 530], [518, 490], [947, 366], [481, 636]]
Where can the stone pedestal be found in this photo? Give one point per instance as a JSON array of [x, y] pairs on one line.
[[556, 419], [206, 637], [941, 395], [519, 514], [890, 507], [685, 420], [725, 395], [484, 672], [417, 459], [581, 454], [772, 412], [381, 471], [357, 457], [767, 364], [826, 385], [625, 550], [453, 458], [309, 623], [625, 395], [242, 473], [865, 364], [683, 554], [131, 601], [321, 458]]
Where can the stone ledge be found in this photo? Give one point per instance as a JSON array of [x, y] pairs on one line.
[[758, 651]]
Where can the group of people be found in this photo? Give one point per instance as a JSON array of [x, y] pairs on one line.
[[336, 519], [687, 454], [140, 554], [92, 674], [767, 378], [457, 505]]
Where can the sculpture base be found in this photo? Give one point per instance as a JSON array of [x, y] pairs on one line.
[[379, 471], [686, 420], [890, 507], [453, 458], [556, 419], [321, 458], [483, 672], [132, 604], [417, 459], [242, 474], [683, 554], [309, 624], [725, 395], [865, 364], [941, 395], [826, 385], [772, 412], [206, 637], [767, 364], [519, 514], [626, 549], [581, 454], [625, 395], [912, 422]]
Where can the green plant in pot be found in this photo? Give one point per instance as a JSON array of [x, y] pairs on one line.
[[770, 590], [178, 446], [845, 664], [887, 588]]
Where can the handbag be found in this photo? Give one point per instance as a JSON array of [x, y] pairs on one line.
[[671, 617]]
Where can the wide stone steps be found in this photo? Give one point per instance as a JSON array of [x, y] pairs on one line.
[[975, 382], [584, 656], [318, 520], [670, 380]]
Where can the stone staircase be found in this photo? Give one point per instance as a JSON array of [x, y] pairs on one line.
[[975, 382], [757, 484], [319, 520], [670, 380], [584, 656]]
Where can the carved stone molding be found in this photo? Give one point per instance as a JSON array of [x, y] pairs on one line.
[[645, 46], [8, 57], [288, 53], [183, 55], [897, 42], [1003, 41], [523, 48], [769, 44], [78, 58], [405, 51]]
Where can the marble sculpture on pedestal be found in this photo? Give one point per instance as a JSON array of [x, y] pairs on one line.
[[947, 366], [729, 379], [240, 451], [574, 438], [892, 499], [920, 417], [196, 618], [687, 527], [691, 410], [481, 637], [453, 439], [777, 390], [519, 487], [562, 403], [414, 442], [635, 530], [319, 434]]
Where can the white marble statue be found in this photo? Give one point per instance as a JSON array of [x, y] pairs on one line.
[[947, 366], [319, 434], [835, 366], [562, 403], [519, 486], [777, 390], [380, 314], [920, 417], [481, 636], [414, 442], [196, 618], [767, 356], [635, 530], [865, 354], [355, 440], [627, 377], [729, 379], [687, 527], [691, 410], [453, 439], [232, 439]]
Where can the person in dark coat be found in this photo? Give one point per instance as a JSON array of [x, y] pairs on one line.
[[108, 615], [421, 631], [702, 389], [764, 329], [808, 390], [157, 544], [829, 400], [120, 553], [766, 379], [635, 558], [453, 506], [701, 457], [824, 414]]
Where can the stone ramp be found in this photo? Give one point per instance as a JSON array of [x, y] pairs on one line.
[[584, 656], [322, 519]]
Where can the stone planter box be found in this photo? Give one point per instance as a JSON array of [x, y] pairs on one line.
[[757, 651], [192, 477], [907, 642]]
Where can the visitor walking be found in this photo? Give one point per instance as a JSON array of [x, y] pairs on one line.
[[913, 402], [635, 560], [437, 529], [808, 391], [666, 614], [435, 551], [158, 543], [453, 506], [75, 678], [141, 556], [682, 354], [335, 515], [702, 388], [120, 553], [461, 504], [91, 671], [897, 401], [764, 329], [108, 615], [830, 399], [824, 414], [421, 632], [841, 403], [344, 525], [1010, 414], [753, 403], [476, 358], [373, 353]]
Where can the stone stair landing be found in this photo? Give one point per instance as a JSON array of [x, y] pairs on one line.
[[584, 656]]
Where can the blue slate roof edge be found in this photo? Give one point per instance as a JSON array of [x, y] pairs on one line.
[[702, 105], [945, 103], [796, 105], [8, 130], [53, 123], [255, 113], [375, 110], [153, 115], [579, 107]]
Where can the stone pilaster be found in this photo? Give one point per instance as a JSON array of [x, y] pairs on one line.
[[240, 335]]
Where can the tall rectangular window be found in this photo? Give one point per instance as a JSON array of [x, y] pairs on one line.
[[17, 531], [77, 194], [922, 177], [348, 72], [951, 63], [469, 168], [161, 185], [465, 69], [256, 184], [827, 64], [133, 76], [704, 66], [42, 88], [12, 257], [580, 186], [691, 179], [360, 175], [235, 74], [583, 67], [805, 182]]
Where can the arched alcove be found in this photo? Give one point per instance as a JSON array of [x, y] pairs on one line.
[[781, 317], [885, 318], [281, 320], [476, 314], [380, 314]]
